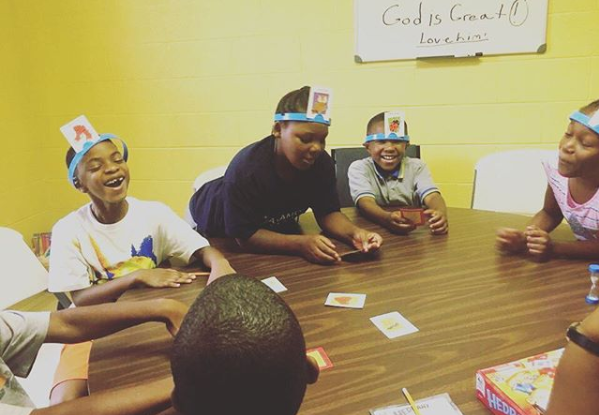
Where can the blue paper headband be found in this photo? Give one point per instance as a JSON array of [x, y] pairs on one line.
[[86, 147], [584, 119], [301, 117], [382, 137]]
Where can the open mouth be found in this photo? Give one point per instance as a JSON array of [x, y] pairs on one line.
[[388, 158], [115, 182]]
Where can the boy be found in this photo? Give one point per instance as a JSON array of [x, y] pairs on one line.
[[270, 183], [114, 243], [389, 178], [240, 350], [21, 335]]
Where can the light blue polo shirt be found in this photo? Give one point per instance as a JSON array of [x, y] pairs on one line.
[[407, 186]]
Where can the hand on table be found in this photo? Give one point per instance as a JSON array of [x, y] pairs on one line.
[[510, 240], [366, 241], [437, 222], [162, 278], [538, 242], [396, 223], [174, 312], [318, 249]]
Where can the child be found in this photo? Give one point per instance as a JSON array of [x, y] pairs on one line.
[[577, 375], [115, 239], [389, 178], [22, 334], [240, 350], [269, 184], [572, 193]]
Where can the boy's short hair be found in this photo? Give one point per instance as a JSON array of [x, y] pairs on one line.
[[379, 119], [591, 108], [294, 101], [240, 350]]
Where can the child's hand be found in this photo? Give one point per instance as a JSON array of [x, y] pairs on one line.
[[437, 222], [318, 249], [174, 312], [161, 278], [220, 269], [396, 223], [366, 241], [538, 242], [510, 240]]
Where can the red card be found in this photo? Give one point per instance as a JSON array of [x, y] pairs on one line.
[[416, 215], [321, 358]]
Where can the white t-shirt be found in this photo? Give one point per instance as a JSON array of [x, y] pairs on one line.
[[85, 251], [21, 335]]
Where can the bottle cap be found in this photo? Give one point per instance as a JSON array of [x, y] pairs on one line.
[[594, 267]]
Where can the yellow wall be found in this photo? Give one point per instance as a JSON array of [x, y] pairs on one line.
[[22, 190], [187, 83]]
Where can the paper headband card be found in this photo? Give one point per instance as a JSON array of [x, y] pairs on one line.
[[78, 132], [319, 102], [395, 123]]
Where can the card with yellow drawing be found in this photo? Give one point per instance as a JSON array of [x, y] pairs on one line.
[[393, 325]]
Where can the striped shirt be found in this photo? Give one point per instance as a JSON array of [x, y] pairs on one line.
[[582, 218]]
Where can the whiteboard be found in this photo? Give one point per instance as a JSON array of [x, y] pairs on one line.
[[408, 29]]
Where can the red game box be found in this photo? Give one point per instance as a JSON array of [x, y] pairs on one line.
[[518, 388]]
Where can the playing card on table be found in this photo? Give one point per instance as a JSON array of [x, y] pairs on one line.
[[274, 284], [393, 325], [415, 215], [346, 300], [321, 358]]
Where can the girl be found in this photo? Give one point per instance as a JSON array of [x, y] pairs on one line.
[[270, 183], [572, 193]]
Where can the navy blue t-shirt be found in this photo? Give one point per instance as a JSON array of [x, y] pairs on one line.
[[252, 196]]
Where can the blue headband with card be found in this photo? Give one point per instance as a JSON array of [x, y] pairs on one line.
[[395, 128], [318, 110], [592, 123], [82, 137]]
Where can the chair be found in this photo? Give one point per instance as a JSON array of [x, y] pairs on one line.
[[511, 181], [343, 157], [202, 179], [24, 276]]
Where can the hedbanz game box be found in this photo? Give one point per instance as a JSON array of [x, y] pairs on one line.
[[518, 388]]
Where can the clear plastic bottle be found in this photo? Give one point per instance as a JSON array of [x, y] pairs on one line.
[[593, 296]]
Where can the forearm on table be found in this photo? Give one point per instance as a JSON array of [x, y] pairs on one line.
[[338, 226], [150, 398], [210, 257], [546, 220], [80, 324], [105, 293], [265, 241], [436, 202], [577, 376], [372, 211], [576, 249]]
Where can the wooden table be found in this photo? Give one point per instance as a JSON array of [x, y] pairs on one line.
[[474, 307]]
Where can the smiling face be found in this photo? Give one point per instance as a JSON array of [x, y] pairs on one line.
[[387, 154], [579, 152], [103, 174], [299, 143]]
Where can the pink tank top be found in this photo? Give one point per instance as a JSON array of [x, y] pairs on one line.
[[582, 218]]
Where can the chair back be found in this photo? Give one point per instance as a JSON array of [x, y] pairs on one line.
[[22, 273], [511, 181], [343, 157]]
